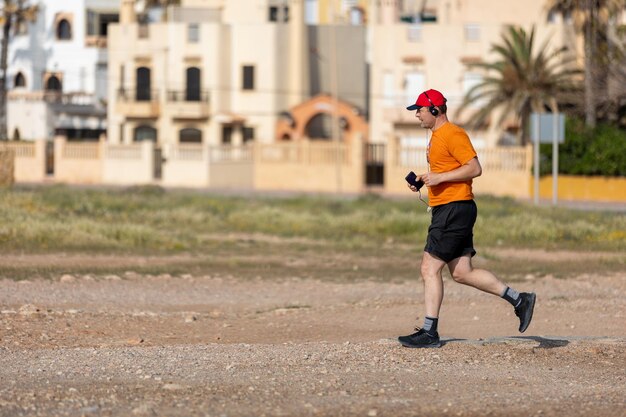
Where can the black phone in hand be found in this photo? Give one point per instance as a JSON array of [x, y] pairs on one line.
[[411, 178]]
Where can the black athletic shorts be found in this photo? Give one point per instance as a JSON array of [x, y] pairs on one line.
[[450, 234]]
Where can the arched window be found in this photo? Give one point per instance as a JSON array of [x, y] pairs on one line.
[[320, 127], [192, 90], [145, 133], [64, 30], [20, 80], [190, 135], [53, 83], [143, 84]]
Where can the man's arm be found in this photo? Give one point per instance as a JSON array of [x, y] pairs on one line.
[[471, 169]]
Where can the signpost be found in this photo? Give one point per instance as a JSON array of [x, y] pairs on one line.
[[547, 128]]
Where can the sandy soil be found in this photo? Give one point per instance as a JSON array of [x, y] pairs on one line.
[[218, 344]]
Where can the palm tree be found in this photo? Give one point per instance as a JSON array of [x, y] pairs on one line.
[[13, 12], [521, 81], [591, 18]]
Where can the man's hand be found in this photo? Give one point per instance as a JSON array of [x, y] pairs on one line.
[[471, 169], [432, 178]]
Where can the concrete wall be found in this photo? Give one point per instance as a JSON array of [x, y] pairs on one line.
[[78, 163], [302, 166], [581, 188], [30, 160]]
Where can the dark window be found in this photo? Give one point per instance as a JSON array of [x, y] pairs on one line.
[[227, 135], [248, 134], [192, 90], [64, 30], [105, 20], [143, 84], [145, 133], [273, 14], [190, 135], [20, 80], [53, 83], [248, 77]]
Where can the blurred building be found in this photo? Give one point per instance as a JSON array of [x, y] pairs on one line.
[[225, 72], [417, 45], [57, 71], [219, 72]]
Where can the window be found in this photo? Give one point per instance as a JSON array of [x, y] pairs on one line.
[[20, 80], [142, 92], [357, 16], [248, 134], [388, 90], [145, 133], [471, 79], [472, 32], [64, 30], [98, 22], [101, 80], [413, 85], [273, 17], [192, 89], [190, 135], [193, 33], [311, 12], [274, 14], [248, 77], [53, 83], [414, 32], [227, 134]]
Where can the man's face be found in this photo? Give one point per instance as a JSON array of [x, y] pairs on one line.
[[427, 120]]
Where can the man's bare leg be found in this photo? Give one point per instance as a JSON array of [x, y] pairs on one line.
[[463, 272], [433, 284]]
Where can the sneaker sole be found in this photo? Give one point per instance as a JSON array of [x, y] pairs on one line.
[[532, 308], [408, 345]]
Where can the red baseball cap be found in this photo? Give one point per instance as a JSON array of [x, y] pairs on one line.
[[428, 98]]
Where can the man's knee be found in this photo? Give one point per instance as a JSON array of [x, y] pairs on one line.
[[430, 270], [460, 276]]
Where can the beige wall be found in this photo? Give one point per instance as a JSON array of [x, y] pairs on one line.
[[293, 166], [78, 163], [128, 164], [30, 160]]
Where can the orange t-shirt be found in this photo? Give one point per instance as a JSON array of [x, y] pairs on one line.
[[449, 148]]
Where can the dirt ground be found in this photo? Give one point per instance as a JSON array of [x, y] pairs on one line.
[[307, 337]]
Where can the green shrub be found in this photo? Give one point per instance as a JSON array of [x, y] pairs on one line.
[[600, 151]]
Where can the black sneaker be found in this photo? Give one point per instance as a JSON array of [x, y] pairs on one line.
[[525, 310], [420, 339]]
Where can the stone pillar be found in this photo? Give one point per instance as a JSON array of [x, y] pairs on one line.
[[127, 12]]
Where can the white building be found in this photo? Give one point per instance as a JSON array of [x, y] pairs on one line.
[[57, 71]]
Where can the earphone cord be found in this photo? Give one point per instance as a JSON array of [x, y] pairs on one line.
[[419, 195]]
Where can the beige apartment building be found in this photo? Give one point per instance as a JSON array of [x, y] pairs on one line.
[[225, 72]]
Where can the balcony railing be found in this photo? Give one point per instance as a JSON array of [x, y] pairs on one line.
[[134, 102], [188, 95], [137, 94]]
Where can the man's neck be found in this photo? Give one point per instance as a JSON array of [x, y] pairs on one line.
[[440, 121]]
